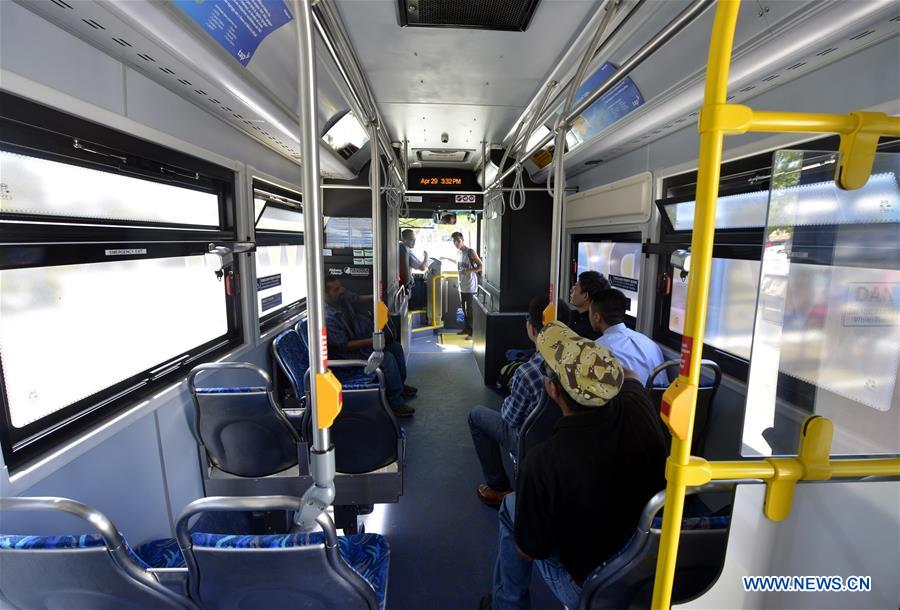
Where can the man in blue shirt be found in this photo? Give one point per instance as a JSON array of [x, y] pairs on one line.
[[635, 351], [493, 432], [350, 338]]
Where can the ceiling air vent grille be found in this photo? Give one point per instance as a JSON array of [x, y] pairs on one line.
[[510, 15]]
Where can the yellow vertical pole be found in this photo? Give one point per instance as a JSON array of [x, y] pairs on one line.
[[682, 395]]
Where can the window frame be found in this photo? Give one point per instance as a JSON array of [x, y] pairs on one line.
[[625, 237], [34, 241], [269, 237]]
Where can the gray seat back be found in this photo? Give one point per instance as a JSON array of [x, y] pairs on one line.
[[537, 427], [312, 576], [241, 428], [705, 396], [365, 433], [105, 577], [625, 581]]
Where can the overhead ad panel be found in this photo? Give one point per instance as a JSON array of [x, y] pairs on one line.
[[238, 25]]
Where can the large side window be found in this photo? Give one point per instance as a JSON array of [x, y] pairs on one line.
[[741, 216], [280, 254], [104, 292]]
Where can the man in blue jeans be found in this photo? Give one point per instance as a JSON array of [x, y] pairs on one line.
[[494, 433], [350, 338], [579, 495]]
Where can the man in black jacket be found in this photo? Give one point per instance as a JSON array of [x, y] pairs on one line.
[[588, 284], [580, 494]]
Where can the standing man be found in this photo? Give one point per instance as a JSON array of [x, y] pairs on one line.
[[589, 282], [468, 264], [635, 351], [408, 260]]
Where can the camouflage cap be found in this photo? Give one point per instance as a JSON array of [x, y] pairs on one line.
[[588, 372]]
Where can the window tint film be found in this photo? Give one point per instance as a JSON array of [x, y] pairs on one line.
[[39, 187], [732, 298], [71, 331], [829, 308]]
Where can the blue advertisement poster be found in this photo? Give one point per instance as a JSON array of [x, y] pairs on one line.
[[238, 25], [615, 103]]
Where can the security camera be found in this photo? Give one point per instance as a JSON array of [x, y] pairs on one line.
[[444, 138]]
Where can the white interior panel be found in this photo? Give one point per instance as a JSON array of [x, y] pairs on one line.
[[625, 201], [834, 529]]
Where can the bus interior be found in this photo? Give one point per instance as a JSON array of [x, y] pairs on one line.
[[192, 192]]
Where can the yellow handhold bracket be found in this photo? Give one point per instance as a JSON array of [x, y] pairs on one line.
[[549, 313], [858, 147], [677, 408], [381, 315], [329, 399]]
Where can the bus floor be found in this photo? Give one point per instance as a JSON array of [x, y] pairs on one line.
[[443, 539]]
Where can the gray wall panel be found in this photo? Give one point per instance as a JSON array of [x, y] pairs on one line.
[[151, 104], [121, 477], [41, 51]]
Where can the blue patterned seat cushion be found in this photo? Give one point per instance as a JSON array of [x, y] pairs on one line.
[[697, 523], [355, 378], [245, 390], [83, 541], [367, 554]]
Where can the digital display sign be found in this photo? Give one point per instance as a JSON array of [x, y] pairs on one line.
[[426, 181]]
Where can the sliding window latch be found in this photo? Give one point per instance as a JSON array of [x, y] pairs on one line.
[[220, 257]]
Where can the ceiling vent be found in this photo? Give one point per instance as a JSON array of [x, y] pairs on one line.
[[442, 155], [509, 15]]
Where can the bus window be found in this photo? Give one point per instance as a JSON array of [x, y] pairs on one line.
[[435, 238], [280, 255], [828, 317], [105, 293]]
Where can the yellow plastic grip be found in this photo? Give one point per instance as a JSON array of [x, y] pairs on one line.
[[549, 313], [381, 315], [329, 398]]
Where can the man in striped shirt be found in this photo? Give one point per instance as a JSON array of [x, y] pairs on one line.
[[496, 432]]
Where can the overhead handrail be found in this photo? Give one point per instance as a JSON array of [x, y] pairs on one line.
[[859, 133], [598, 15], [325, 390], [328, 24], [684, 19]]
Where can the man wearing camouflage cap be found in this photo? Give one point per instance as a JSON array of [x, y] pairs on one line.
[[579, 495]]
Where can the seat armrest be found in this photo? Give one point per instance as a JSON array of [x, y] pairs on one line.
[[342, 364]]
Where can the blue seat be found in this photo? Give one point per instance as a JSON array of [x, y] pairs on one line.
[[625, 580], [78, 571], [292, 570], [247, 444], [365, 432], [352, 377], [711, 378]]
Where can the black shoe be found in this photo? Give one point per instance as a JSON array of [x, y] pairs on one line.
[[485, 603], [409, 391], [402, 410]]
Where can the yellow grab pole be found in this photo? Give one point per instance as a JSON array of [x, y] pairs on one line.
[[679, 401]]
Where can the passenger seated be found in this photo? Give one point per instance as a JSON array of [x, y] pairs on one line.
[[635, 351], [588, 283], [579, 495], [494, 433], [350, 338]]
